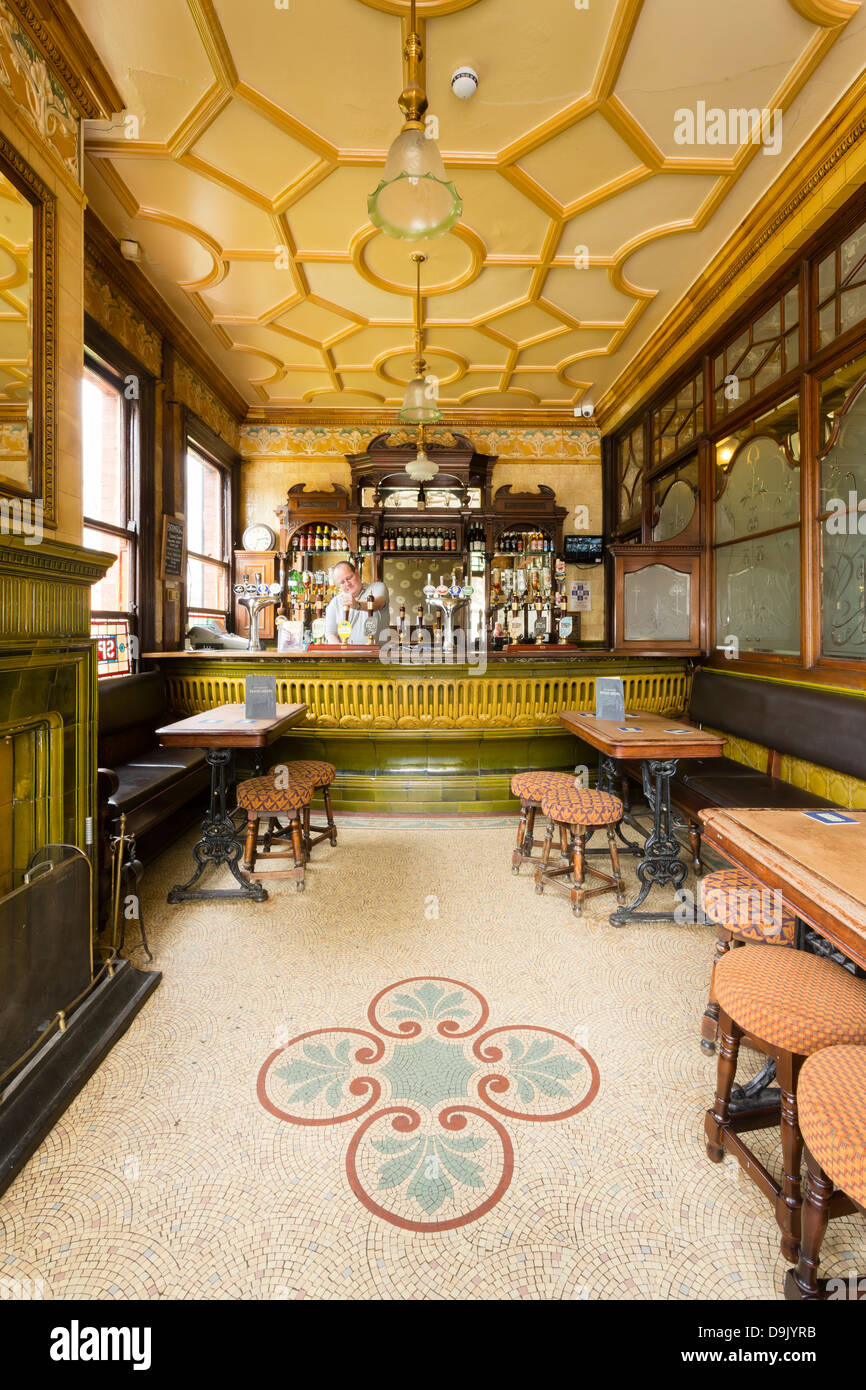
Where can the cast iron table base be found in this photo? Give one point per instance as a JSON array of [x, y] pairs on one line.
[[220, 842], [660, 863]]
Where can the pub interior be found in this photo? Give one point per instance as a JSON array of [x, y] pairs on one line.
[[433, 650]]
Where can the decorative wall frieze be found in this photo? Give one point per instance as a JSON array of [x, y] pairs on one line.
[[572, 443], [36, 94], [118, 316], [197, 396]]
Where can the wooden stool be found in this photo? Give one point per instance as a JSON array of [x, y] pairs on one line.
[[265, 796], [529, 787], [733, 900], [787, 1005], [578, 811], [319, 776], [831, 1099]]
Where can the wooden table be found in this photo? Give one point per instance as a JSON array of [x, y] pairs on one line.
[[219, 732], [659, 743], [818, 867]]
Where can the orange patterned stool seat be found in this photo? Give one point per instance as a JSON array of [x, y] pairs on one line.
[[270, 797], [266, 796], [831, 1100], [743, 910], [791, 999], [320, 775], [576, 805], [578, 811], [529, 787], [735, 900], [788, 1005]]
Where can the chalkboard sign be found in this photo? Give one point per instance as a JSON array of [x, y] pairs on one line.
[[173, 538], [583, 550], [260, 693]]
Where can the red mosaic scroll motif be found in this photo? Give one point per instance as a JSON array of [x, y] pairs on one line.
[[452, 1120], [331, 1072], [436, 1009], [535, 1072]]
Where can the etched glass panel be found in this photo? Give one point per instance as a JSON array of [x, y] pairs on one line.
[[758, 593], [843, 596], [762, 491], [656, 604], [843, 537], [676, 511]]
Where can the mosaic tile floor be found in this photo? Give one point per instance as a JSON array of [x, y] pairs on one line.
[[416, 1080]]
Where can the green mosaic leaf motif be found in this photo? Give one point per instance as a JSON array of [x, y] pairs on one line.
[[427, 1001], [535, 1069], [323, 1070], [425, 1165]]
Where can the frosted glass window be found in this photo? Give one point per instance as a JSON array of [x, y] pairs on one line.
[[656, 601], [676, 511], [762, 491], [843, 531], [758, 593]]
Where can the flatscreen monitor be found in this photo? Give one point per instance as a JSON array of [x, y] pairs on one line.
[[583, 550]]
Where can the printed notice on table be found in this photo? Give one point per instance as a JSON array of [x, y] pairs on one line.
[[261, 697]]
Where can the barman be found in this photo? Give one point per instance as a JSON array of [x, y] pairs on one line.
[[355, 595]]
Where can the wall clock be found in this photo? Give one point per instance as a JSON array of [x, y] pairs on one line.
[[259, 537]]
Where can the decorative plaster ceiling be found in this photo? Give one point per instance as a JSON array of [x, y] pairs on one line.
[[261, 129]]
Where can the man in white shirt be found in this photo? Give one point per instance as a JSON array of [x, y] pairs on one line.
[[353, 594]]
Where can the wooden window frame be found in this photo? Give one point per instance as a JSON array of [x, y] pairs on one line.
[[214, 450], [804, 381]]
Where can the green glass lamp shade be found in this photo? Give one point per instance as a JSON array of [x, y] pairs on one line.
[[414, 200], [418, 407]]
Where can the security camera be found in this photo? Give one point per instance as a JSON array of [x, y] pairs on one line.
[[464, 82], [586, 410]]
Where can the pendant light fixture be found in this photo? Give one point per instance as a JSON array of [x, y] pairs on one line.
[[414, 200], [422, 469], [419, 405]]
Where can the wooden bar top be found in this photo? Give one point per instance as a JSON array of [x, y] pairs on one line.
[[818, 866], [226, 726], [643, 736]]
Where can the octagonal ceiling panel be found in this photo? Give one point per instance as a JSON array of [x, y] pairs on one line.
[[155, 56], [526, 324], [554, 54], [227, 217], [580, 160], [240, 142], [334, 66], [740, 62], [559, 350], [587, 295], [266, 128]]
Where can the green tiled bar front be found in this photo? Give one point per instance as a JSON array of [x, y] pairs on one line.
[[428, 769]]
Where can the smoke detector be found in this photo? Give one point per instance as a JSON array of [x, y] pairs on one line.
[[464, 83]]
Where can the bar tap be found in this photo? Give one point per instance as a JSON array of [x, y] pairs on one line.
[[448, 601], [255, 598]]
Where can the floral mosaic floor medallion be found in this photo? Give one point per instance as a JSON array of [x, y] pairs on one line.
[[431, 1092]]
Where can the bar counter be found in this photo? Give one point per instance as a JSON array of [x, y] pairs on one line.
[[431, 737]]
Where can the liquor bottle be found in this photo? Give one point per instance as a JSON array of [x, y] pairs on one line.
[[439, 541], [399, 538]]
